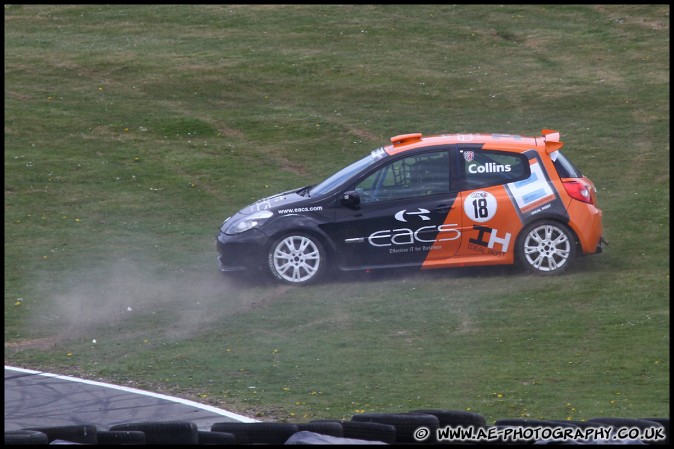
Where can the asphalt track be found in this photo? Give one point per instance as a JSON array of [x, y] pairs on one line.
[[37, 399]]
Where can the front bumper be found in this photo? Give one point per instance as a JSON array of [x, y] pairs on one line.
[[245, 251]]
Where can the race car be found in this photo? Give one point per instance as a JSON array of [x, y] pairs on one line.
[[425, 202]]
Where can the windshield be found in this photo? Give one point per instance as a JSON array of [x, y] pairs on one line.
[[346, 173]]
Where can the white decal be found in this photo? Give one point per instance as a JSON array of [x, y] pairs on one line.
[[400, 216], [299, 210], [405, 236], [379, 153], [532, 192], [480, 206], [489, 167], [481, 245]]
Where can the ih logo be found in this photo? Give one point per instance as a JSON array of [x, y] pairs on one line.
[[494, 239], [400, 216]]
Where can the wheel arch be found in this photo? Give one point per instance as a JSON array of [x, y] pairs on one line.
[[303, 225], [564, 221], [558, 219]]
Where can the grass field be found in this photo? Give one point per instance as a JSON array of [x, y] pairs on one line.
[[131, 132]]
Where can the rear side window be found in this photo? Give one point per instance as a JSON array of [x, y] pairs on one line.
[[485, 168], [565, 168]]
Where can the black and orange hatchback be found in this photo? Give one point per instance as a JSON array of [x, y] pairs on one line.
[[427, 202]]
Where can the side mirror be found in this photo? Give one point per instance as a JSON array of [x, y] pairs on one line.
[[351, 199]]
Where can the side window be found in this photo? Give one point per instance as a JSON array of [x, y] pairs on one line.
[[484, 168], [419, 175], [564, 166]]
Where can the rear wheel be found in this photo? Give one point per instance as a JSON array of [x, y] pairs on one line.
[[297, 259], [546, 247]]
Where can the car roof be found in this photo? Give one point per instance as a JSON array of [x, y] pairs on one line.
[[405, 142]]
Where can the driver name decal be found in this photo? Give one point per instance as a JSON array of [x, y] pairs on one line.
[[489, 167]]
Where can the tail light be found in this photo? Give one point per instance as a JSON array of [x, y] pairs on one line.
[[580, 191]]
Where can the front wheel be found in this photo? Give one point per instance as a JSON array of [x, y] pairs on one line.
[[546, 247], [297, 259]]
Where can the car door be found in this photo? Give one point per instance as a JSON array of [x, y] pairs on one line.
[[490, 220], [401, 214]]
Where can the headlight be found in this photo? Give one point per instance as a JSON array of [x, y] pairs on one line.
[[247, 222]]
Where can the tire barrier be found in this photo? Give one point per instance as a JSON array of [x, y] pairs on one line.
[[425, 426]]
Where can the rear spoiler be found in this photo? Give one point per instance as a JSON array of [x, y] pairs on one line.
[[551, 138], [405, 139]]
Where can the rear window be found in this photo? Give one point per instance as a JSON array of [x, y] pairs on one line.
[[565, 168]]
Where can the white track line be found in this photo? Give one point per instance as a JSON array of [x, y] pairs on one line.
[[208, 408]]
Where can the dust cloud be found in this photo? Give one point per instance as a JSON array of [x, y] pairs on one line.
[[127, 297]]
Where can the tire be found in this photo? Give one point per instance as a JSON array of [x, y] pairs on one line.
[[406, 424], [526, 422], [257, 432], [120, 437], [167, 432], [455, 418], [216, 438], [82, 434], [25, 437], [297, 259], [546, 247], [638, 423], [665, 424], [333, 429], [626, 422], [368, 431], [519, 423]]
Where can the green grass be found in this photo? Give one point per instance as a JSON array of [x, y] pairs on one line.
[[131, 132]]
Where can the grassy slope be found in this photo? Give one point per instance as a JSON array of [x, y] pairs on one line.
[[132, 131]]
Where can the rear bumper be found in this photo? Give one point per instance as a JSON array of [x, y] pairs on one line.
[[601, 245], [586, 220]]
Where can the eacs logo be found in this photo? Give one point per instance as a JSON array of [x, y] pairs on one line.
[[407, 236], [400, 216]]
